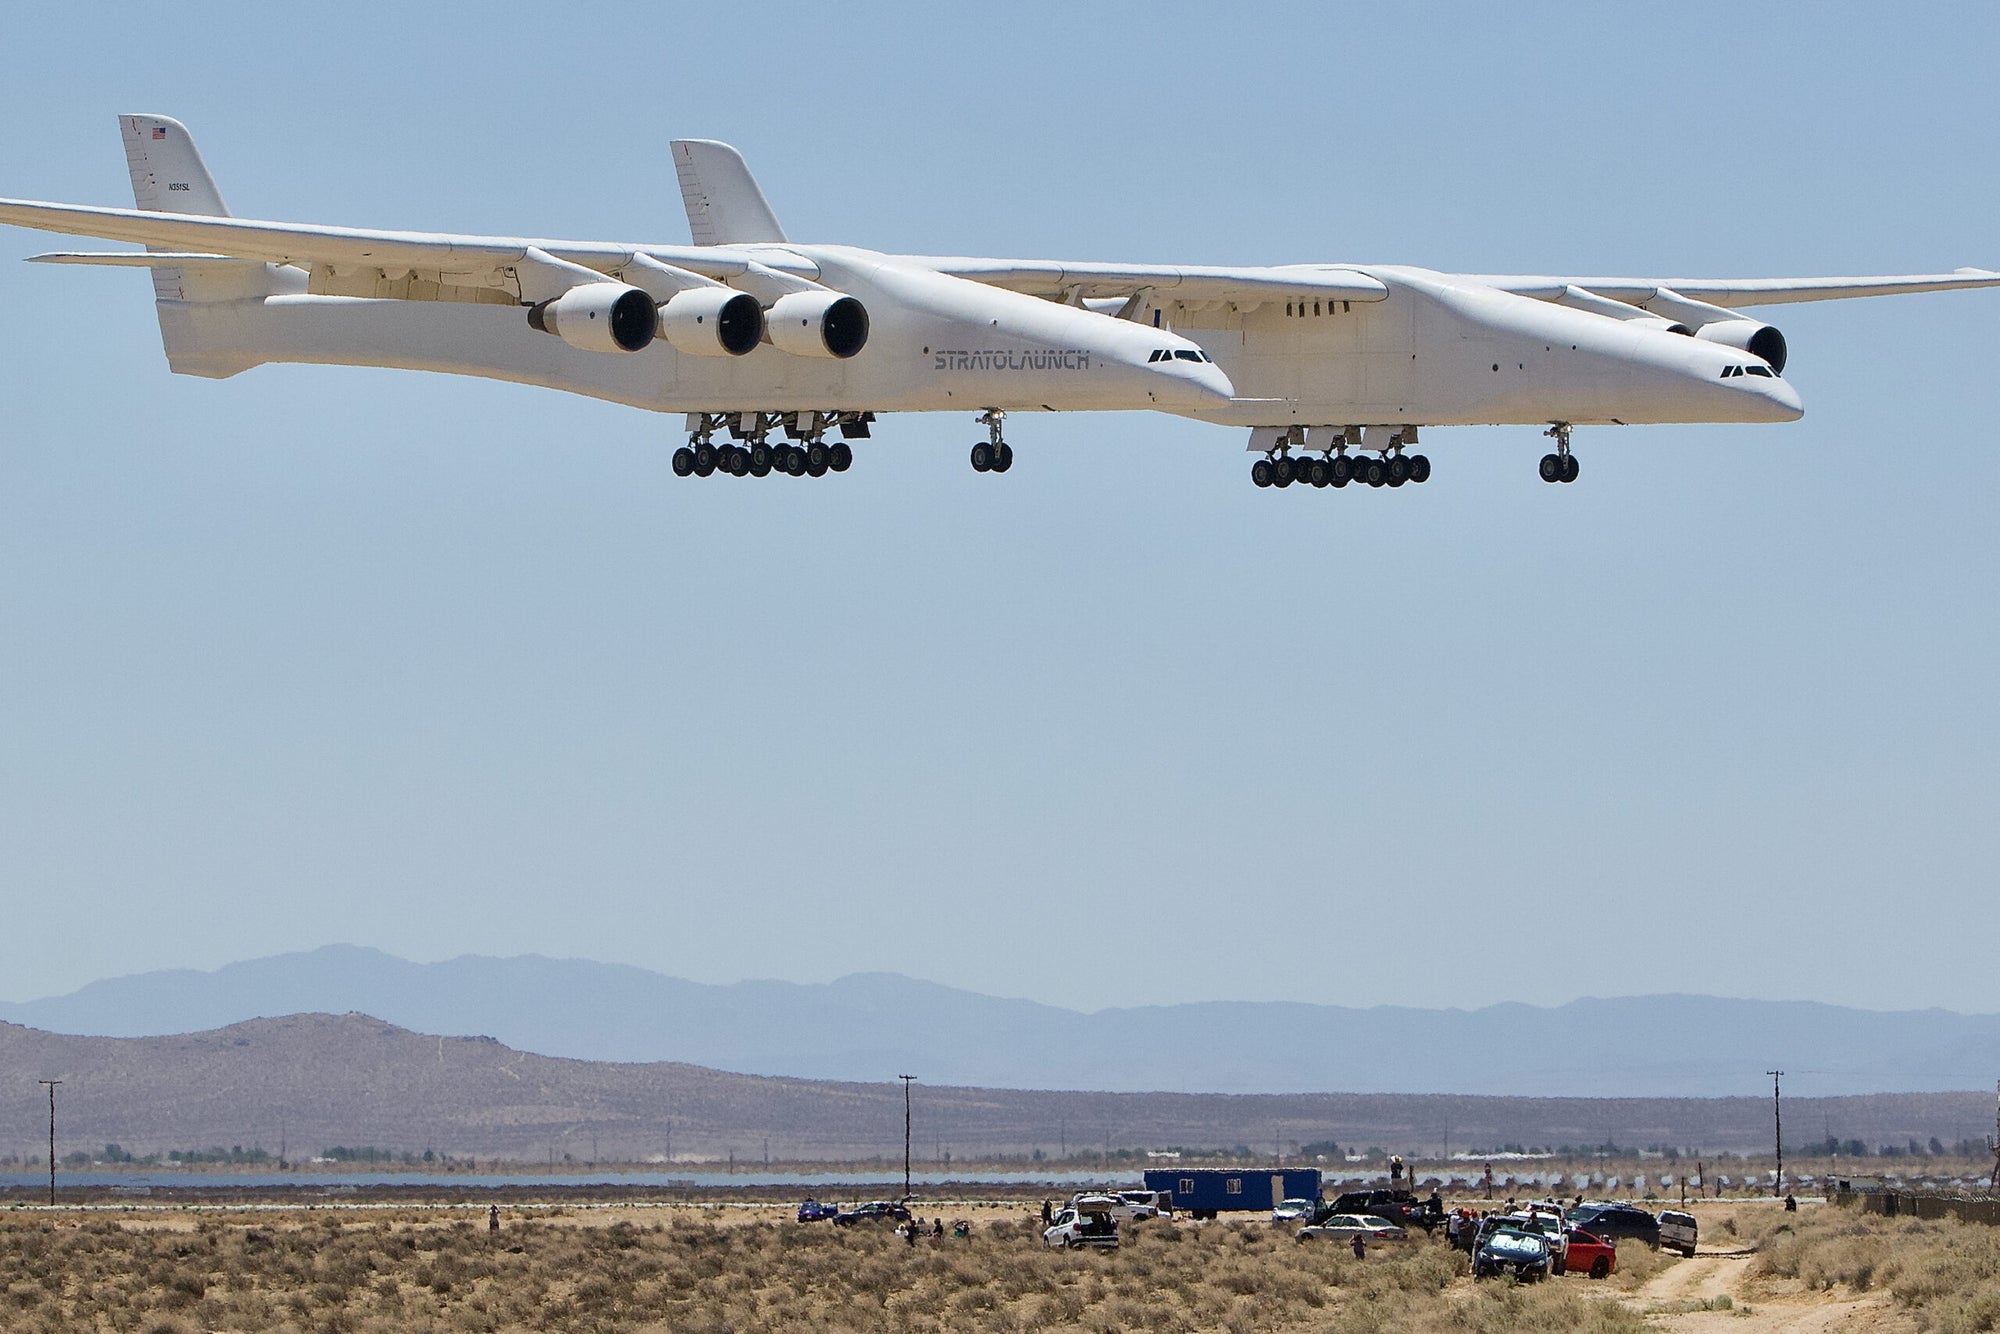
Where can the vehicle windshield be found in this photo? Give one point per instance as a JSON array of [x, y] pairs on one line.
[[1517, 1244]]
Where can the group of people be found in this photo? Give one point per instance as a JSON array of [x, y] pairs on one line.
[[916, 1227]]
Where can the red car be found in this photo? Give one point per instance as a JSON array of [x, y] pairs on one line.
[[1590, 1254]]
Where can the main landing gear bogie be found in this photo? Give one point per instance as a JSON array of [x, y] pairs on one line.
[[808, 454], [1337, 470]]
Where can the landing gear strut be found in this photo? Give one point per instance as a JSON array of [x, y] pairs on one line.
[[992, 454], [1335, 467], [1560, 466]]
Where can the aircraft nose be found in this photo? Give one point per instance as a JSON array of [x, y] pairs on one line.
[[1191, 384], [1784, 401]]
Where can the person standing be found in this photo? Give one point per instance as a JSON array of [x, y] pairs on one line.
[[1360, 1247]]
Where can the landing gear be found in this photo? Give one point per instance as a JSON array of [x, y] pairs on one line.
[[1393, 468], [1560, 466], [992, 454], [759, 456]]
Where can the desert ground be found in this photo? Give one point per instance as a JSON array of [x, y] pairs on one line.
[[733, 1266]]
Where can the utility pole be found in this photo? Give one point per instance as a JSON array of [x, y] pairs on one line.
[[52, 1136], [907, 1081], [1778, 1126], [1993, 1182]]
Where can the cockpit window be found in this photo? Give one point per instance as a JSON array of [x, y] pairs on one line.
[[1764, 371], [1185, 355]]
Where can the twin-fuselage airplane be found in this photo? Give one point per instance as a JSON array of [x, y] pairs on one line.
[[781, 354]]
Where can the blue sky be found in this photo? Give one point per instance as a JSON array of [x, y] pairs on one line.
[[443, 666]]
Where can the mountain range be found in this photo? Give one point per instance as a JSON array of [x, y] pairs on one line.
[[872, 1026], [304, 1083]]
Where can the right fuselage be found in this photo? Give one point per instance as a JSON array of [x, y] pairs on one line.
[[1438, 352]]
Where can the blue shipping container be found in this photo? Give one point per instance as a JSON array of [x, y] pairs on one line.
[[1208, 1191]]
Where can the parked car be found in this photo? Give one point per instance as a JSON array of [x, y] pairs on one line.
[[1125, 1206], [1507, 1251], [1617, 1222], [1087, 1222], [875, 1211], [812, 1211], [1159, 1201], [1398, 1206], [1295, 1211], [1345, 1227], [1548, 1226], [1678, 1231], [1590, 1254]]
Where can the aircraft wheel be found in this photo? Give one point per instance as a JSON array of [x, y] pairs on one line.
[[1373, 472], [795, 461], [982, 457], [816, 462], [704, 459], [1551, 468], [840, 457], [1318, 473], [1003, 458], [1399, 470], [684, 462], [1570, 467], [1342, 468], [1420, 469], [1261, 472], [760, 458], [739, 462], [1283, 471]]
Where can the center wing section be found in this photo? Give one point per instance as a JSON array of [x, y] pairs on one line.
[[1192, 284]]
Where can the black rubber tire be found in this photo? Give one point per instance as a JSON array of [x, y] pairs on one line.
[[1420, 469], [816, 463], [982, 461], [1284, 471], [1551, 468], [760, 458], [1570, 467], [1399, 470], [1003, 458], [795, 461], [1342, 470], [1260, 473], [684, 462], [1318, 473], [1600, 1267], [840, 457], [704, 459], [1374, 472]]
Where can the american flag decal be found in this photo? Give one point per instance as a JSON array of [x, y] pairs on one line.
[[159, 131]]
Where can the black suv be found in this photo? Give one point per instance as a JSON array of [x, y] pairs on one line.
[[1620, 1221], [1401, 1207]]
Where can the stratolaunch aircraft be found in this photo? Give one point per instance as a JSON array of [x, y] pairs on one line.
[[771, 347]]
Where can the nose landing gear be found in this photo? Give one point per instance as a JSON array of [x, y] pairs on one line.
[[1560, 466], [992, 454]]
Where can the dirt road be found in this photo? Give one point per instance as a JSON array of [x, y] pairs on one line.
[[1684, 1298]]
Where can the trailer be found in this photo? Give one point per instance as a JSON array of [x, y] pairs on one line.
[[1205, 1192]]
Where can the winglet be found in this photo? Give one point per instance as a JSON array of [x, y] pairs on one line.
[[724, 205]]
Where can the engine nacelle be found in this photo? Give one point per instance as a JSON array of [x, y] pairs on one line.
[[712, 322], [598, 317], [817, 324], [1759, 340]]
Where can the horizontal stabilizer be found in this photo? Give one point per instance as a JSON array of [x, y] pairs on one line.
[[132, 259]]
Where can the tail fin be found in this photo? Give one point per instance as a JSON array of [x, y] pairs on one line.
[[724, 205], [168, 176]]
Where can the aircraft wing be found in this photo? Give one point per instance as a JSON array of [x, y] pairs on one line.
[[1190, 283], [1734, 293], [518, 267]]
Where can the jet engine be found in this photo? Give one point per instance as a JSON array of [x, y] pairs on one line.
[[598, 317], [712, 322], [1759, 340], [817, 324]]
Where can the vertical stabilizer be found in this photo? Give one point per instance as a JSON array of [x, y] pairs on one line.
[[724, 205], [198, 326]]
